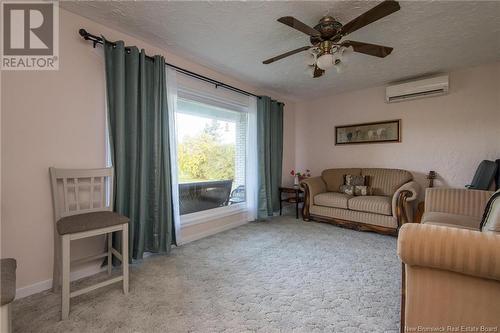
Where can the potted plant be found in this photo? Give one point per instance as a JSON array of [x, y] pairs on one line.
[[300, 176]]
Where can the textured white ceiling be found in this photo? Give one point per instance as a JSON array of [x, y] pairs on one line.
[[234, 37]]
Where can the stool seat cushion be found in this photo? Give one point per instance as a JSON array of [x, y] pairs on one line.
[[8, 280], [89, 221]]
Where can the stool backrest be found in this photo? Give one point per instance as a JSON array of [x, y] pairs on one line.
[[79, 191]]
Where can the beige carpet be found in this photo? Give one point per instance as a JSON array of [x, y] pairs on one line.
[[278, 276]]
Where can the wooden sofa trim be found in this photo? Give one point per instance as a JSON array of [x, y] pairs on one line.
[[401, 214], [355, 225], [307, 202]]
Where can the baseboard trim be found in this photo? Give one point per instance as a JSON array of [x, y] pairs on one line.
[[210, 215], [47, 284], [213, 231], [88, 271]]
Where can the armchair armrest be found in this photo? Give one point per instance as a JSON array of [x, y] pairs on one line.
[[312, 187], [456, 201], [401, 207], [462, 251]]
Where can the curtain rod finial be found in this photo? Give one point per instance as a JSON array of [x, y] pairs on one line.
[[83, 32]]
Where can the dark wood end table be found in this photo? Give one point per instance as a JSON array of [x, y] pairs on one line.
[[294, 195]]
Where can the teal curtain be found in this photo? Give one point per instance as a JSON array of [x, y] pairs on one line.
[[140, 147], [270, 154]]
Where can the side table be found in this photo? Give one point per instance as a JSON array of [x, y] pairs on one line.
[[293, 195]]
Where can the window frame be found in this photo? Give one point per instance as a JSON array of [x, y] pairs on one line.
[[221, 101]]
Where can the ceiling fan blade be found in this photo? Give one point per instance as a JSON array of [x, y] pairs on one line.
[[370, 49], [318, 72], [284, 55], [296, 24], [376, 13]]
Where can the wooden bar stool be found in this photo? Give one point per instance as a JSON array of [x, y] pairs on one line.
[[7, 292], [83, 208]]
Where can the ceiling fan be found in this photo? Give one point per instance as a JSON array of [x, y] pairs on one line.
[[327, 50]]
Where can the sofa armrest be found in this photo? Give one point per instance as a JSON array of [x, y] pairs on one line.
[[457, 250], [407, 193], [312, 186], [315, 185], [456, 201]]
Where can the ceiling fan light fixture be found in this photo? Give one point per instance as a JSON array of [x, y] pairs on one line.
[[310, 59], [347, 50], [339, 66], [344, 54], [327, 46], [310, 70], [325, 61]]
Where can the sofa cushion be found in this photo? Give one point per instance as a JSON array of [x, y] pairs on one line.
[[89, 221], [451, 220], [491, 216], [335, 177], [8, 280], [371, 204], [332, 199], [354, 216], [385, 182]]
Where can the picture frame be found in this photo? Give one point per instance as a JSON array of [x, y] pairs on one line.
[[385, 131]]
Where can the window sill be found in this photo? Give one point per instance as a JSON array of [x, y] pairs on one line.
[[212, 214]]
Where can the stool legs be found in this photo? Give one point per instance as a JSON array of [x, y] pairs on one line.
[[65, 276], [6, 318], [125, 258], [66, 263], [56, 276], [110, 254]]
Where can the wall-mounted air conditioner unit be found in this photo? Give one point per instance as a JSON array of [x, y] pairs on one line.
[[434, 86]]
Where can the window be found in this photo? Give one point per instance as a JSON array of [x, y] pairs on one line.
[[211, 155]]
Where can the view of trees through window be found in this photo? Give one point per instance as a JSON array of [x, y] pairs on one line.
[[207, 154], [211, 156]]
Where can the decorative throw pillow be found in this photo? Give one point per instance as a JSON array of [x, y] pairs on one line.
[[354, 180], [355, 185], [347, 189], [361, 190], [355, 190], [491, 216]]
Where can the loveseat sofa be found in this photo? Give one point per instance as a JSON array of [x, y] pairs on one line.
[[384, 211]]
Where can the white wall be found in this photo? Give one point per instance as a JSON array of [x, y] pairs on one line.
[[56, 118], [449, 134]]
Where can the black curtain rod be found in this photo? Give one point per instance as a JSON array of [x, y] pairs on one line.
[[98, 40]]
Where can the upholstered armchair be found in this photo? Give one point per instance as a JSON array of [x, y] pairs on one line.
[[451, 277], [451, 262], [455, 207]]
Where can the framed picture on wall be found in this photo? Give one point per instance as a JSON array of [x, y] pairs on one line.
[[376, 132]]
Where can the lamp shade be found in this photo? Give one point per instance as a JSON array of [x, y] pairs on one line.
[[346, 51], [345, 54], [310, 70], [310, 59], [325, 61], [340, 66]]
